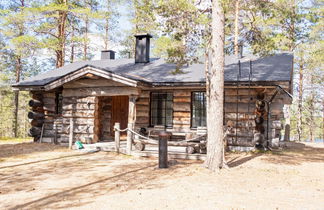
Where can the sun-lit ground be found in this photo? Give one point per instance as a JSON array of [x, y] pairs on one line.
[[44, 176]]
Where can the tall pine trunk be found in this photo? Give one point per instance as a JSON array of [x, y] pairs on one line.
[[18, 73], [16, 97], [312, 111], [236, 23], [215, 88], [61, 29], [85, 43], [300, 101]]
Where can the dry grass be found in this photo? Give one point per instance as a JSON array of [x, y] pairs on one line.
[[38, 176]]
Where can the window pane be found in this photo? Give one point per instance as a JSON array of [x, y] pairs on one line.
[[198, 109], [161, 109]]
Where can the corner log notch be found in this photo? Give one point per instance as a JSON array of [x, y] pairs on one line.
[[36, 115]]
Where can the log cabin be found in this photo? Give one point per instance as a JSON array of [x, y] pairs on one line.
[[149, 92]]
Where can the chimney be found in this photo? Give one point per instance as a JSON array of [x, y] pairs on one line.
[[240, 51], [107, 55], [142, 48]]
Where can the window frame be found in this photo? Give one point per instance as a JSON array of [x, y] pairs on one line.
[[58, 103], [151, 102], [191, 109]]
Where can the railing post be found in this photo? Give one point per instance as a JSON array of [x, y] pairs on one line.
[[117, 136], [129, 139], [71, 133], [163, 149]]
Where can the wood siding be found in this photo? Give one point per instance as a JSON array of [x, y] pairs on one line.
[[89, 103]]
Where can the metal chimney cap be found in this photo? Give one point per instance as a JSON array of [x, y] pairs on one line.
[[143, 35], [108, 51]]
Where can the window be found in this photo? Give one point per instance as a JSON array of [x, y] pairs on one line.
[[161, 109], [58, 103], [198, 109]]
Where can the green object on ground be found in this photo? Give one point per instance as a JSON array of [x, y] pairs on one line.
[[79, 145]]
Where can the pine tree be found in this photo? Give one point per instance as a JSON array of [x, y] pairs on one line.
[[215, 91]]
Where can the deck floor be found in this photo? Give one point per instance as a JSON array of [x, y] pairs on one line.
[[150, 150]]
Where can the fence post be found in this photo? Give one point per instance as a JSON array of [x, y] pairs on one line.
[[71, 133], [117, 136], [163, 149], [129, 139]]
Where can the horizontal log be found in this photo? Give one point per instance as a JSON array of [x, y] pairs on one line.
[[276, 124], [181, 93], [49, 101], [246, 123], [37, 96], [78, 106], [241, 141], [35, 131], [182, 118], [181, 126], [38, 109], [50, 133], [49, 107], [35, 103], [143, 101], [145, 94], [35, 115], [186, 114], [241, 107], [170, 143], [78, 113], [64, 138], [74, 100], [49, 94], [142, 113], [102, 91], [239, 116], [142, 120], [144, 108], [180, 107], [37, 122], [185, 99], [79, 121], [92, 83], [79, 129]]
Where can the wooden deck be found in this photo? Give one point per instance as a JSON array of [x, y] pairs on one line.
[[150, 150]]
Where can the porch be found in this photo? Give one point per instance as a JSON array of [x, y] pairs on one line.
[[174, 152]]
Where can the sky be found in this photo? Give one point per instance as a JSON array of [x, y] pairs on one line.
[[124, 24]]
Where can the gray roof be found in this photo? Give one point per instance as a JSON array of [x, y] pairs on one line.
[[272, 68]]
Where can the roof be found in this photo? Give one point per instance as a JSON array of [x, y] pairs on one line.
[[272, 68]]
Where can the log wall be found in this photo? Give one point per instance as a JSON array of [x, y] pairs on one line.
[[92, 114]]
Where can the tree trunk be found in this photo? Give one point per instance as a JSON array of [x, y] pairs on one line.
[[214, 160], [323, 120], [106, 39], [236, 33], [16, 97], [72, 45], [300, 102], [61, 26], [85, 43], [311, 110]]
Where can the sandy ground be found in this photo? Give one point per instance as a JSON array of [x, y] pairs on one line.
[[43, 176]]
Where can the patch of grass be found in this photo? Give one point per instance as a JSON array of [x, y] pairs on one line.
[[16, 140]]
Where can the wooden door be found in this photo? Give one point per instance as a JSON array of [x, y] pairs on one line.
[[119, 108]]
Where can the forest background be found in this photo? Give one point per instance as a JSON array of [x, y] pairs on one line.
[[38, 36]]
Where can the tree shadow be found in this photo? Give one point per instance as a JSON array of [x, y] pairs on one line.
[[237, 161], [10, 150], [296, 154], [97, 177]]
